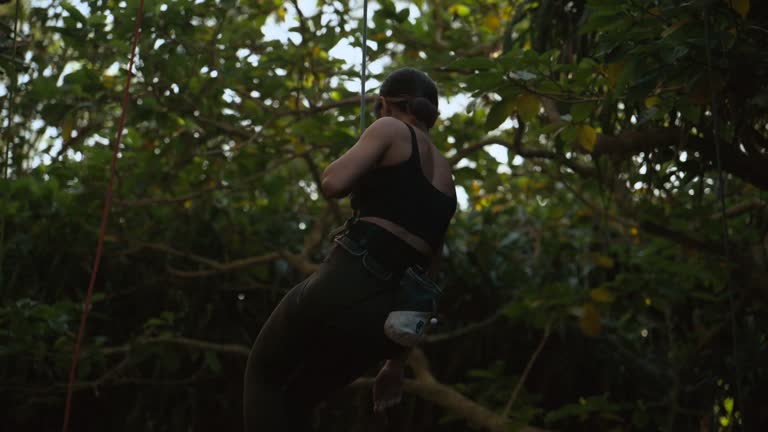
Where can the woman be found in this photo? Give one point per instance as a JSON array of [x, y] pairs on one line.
[[329, 329]]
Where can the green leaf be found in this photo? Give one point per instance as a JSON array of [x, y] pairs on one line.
[[581, 111], [403, 15], [154, 322], [212, 360], [528, 106], [586, 137], [523, 75], [741, 7], [590, 320], [690, 112], [602, 295], [498, 113], [728, 405], [476, 63], [459, 10], [485, 82], [582, 408], [74, 13], [97, 19]]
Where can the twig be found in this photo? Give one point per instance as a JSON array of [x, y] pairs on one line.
[[228, 266], [332, 204], [740, 208], [145, 202], [183, 341], [219, 267], [527, 371]]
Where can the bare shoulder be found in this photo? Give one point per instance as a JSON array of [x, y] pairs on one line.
[[444, 171], [386, 125]]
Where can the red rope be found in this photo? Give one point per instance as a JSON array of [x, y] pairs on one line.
[[104, 217]]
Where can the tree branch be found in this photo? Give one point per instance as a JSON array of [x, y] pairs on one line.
[[463, 331], [740, 208], [578, 168], [181, 341], [750, 169], [246, 134], [354, 100], [681, 239], [299, 261], [633, 142], [428, 388]]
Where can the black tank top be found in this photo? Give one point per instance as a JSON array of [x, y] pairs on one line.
[[402, 194]]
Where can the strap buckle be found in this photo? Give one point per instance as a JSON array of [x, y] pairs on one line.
[[374, 266], [341, 230]]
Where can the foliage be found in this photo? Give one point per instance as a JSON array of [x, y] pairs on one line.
[[604, 225]]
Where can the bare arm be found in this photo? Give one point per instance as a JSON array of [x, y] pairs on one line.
[[340, 177]]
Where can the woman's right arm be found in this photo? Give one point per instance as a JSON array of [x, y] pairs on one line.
[[339, 178]]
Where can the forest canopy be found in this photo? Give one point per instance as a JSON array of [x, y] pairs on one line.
[[607, 268]]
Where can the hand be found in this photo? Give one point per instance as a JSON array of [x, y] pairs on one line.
[[388, 387]]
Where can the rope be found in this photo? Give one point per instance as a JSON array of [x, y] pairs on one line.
[[11, 91], [9, 143], [721, 192], [716, 137], [104, 217], [362, 71]]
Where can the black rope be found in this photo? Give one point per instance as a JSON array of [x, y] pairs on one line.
[[362, 71], [721, 194], [716, 136], [9, 141], [11, 92]]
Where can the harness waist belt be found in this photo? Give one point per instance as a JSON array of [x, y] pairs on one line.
[[355, 248]]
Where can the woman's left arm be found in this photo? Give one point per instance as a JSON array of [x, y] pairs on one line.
[[341, 175]]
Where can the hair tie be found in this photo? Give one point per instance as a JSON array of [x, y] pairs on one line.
[[397, 99]]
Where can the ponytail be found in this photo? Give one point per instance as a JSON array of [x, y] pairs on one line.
[[424, 110]]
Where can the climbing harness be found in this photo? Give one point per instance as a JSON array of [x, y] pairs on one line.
[[104, 218], [417, 295]]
